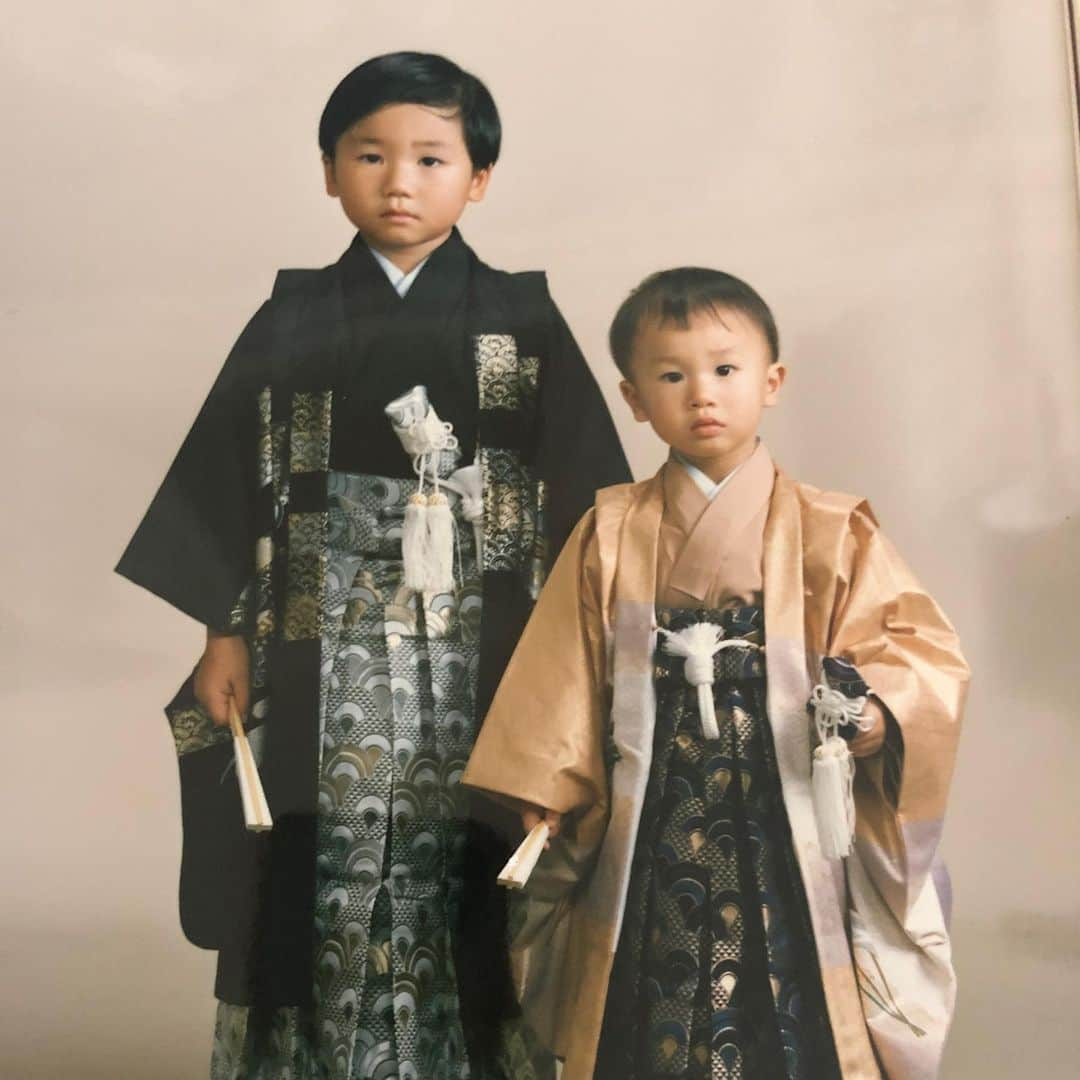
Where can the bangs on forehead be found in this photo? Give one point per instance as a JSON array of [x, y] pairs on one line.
[[448, 111], [672, 297], [411, 78], [678, 310]]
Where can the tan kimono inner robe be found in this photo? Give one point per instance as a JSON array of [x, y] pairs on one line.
[[580, 685]]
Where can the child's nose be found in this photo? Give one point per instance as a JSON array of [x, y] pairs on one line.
[[398, 179], [702, 393]]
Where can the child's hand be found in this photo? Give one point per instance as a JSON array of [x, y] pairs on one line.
[[870, 742], [533, 815], [223, 673]]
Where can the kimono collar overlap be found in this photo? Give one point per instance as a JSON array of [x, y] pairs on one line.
[[713, 528], [401, 279], [441, 277]]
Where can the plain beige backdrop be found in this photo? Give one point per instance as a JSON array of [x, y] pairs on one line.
[[895, 177]]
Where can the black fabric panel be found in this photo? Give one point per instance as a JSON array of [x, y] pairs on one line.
[[259, 911], [394, 343], [283, 973], [485, 984], [219, 854], [575, 448], [480, 943], [575, 455], [307, 493], [290, 764], [578, 449], [195, 543], [508, 429], [507, 606]]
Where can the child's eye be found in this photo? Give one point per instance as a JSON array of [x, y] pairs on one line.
[[724, 370], [671, 376], [370, 159], [430, 162]]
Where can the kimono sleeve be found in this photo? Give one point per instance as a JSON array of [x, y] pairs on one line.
[[578, 450], [542, 741], [906, 650], [194, 547]]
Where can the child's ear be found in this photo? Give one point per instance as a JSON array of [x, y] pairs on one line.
[[633, 399], [774, 379], [328, 174], [478, 187]]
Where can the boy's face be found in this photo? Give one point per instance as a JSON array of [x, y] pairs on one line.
[[404, 176], [703, 388]]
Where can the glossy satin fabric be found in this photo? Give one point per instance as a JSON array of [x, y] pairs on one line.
[[577, 697]]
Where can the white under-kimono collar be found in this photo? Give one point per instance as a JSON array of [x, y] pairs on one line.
[[709, 488], [401, 281]]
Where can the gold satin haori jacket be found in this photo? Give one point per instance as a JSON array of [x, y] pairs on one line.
[[571, 728]]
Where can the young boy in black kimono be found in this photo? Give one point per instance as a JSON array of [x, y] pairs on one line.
[[279, 527]]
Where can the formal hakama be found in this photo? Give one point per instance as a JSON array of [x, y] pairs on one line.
[[716, 974], [398, 720]]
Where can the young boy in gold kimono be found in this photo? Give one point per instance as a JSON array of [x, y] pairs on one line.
[[686, 919]]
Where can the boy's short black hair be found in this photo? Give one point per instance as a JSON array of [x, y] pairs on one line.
[[672, 296], [412, 78]]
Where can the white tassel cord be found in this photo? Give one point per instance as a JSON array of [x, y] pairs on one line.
[[426, 435], [414, 542], [834, 799], [439, 550], [833, 777], [699, 643], [427, 540]]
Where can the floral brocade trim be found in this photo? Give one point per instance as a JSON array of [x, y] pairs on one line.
[[505, 380], [266, 441], [309, 442], [263, 626], [192, 730], [236, 622], [511, 511], [271, 444], [306, 574]]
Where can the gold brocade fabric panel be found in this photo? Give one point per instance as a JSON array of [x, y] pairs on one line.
[[306, 575], [309, 440], [513, 496], [192, 729], [309, 451], [505, 380], [513, 525]]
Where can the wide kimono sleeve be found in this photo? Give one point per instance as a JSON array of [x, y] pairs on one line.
[[907, 651], [543, 739], [578, 450], [543, 743], [195, 545]]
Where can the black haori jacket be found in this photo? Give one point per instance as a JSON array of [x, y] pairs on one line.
[[236, 538]]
